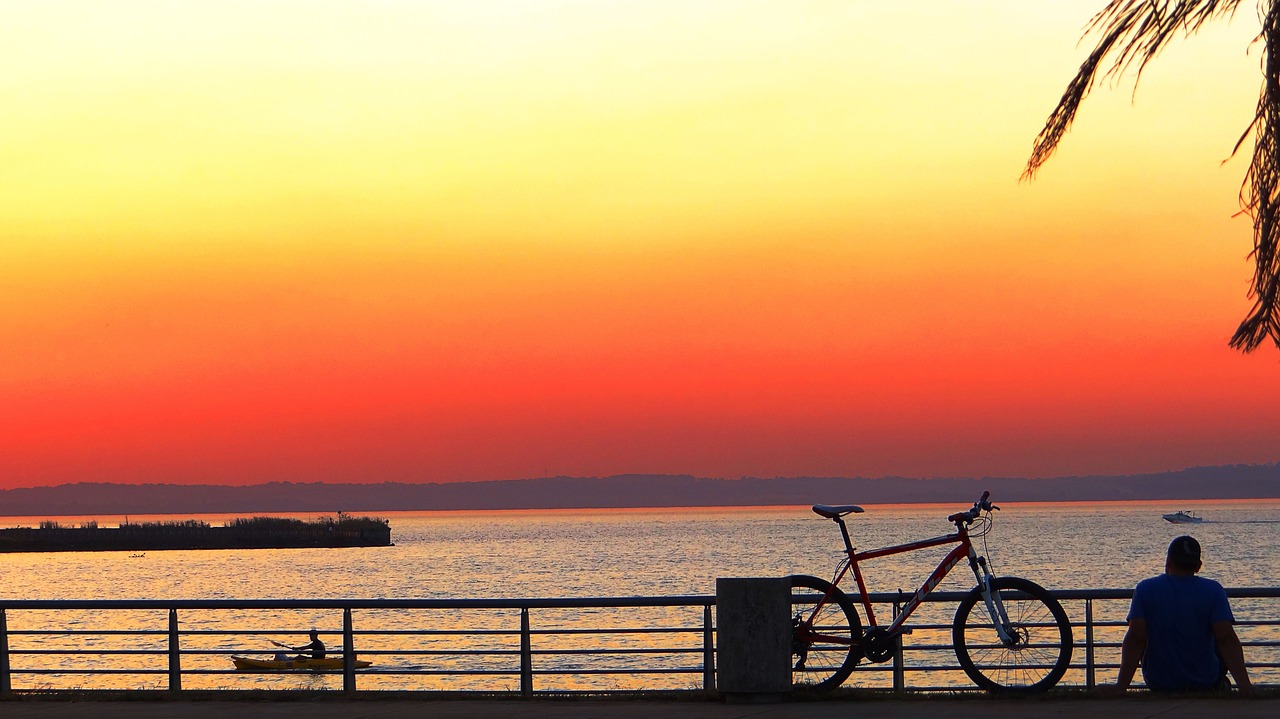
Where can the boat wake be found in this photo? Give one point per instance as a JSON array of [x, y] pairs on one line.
[[1241, 521]]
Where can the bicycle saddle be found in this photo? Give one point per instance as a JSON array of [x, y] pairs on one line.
[[837, 511]]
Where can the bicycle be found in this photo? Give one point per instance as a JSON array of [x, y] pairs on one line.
[[1010, 635]]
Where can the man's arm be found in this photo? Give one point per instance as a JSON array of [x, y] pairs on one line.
[[1132, 649], [1232, 654]]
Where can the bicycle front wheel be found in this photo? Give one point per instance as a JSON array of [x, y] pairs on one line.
[[1039, 647], [825, 646]]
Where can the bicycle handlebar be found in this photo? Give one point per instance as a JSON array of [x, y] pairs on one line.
[[982, 505]]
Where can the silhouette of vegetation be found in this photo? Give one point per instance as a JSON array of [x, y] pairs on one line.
[[265, 523], [168, 524], [240, 533], [1133, 32], [273, 523]]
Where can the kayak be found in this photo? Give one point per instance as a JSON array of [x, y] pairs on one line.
[[294, 665]]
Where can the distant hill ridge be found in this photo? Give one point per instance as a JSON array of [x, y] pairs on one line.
[[630, 490]]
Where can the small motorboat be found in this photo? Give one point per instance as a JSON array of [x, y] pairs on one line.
[[1183, 518], [281, 664]]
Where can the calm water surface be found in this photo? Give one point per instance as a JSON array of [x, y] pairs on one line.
[[593, 553]]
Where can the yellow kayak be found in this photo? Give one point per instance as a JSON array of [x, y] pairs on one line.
[[296, 665]]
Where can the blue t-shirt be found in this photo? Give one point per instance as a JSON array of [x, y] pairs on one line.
[[1180, 612]]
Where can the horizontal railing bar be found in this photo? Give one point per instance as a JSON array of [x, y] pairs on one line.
[[358, 632], [525, 603], [425, 652], [434, 673], [440, 632], [429, 632], [16, 671], [636, 630], [447, 672], [95, 651], [587, 672], [571, 652], [87, 632], [386, 652], [522, 603], [366, 632], [454, 632]]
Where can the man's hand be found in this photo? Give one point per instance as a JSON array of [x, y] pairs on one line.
[[1132, 650], [1232, 655]]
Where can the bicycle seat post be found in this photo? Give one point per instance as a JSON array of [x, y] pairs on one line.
[[844, 532]]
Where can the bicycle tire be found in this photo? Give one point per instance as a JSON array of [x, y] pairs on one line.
[[1041, 653], [822, 665]]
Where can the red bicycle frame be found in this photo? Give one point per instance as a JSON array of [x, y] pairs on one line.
[[963, 549]]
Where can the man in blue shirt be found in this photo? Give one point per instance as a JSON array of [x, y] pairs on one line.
[[1180, 628]]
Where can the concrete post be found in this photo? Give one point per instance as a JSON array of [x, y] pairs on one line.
[[753, 633]]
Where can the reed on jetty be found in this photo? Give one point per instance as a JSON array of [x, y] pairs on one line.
[[241, 533]]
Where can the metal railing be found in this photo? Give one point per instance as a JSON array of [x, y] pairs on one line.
[[519, 647]]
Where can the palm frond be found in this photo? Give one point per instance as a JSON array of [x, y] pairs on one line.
[[1133, 32], [1260, 197]]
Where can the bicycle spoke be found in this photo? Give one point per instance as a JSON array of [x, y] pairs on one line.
[[1040, 639], [823, 655]]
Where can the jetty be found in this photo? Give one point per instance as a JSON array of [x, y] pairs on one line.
[[241, 533]]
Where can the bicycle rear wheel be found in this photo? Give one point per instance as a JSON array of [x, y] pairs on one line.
[[824, 646], [1040, 649]]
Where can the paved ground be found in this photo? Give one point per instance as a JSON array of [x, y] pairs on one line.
[[1132, 707]]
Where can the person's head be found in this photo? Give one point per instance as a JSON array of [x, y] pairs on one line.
[[1183, 555], [314, 635]]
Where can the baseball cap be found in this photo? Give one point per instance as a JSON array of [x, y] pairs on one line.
[[1184, 549]]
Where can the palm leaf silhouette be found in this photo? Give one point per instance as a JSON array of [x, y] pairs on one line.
[[1132, 33]]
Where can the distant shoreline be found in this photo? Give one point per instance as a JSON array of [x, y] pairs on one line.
[[8, 520], [633, 491]]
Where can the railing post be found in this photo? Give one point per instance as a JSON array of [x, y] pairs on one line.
[[526, 655], [5, 687], [708, 651], [1089, 678], [348, 653], [175, 653], [899, 668]]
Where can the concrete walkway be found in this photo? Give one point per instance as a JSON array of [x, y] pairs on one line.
[[1131, 707]]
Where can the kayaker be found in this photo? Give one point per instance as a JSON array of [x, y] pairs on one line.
[[316, 647]]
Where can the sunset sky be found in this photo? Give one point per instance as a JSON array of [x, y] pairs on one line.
[[309, 240]]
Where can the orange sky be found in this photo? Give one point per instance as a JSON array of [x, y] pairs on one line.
[[309, 240]]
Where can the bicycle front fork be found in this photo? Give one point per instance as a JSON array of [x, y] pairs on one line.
[[993, 602]]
